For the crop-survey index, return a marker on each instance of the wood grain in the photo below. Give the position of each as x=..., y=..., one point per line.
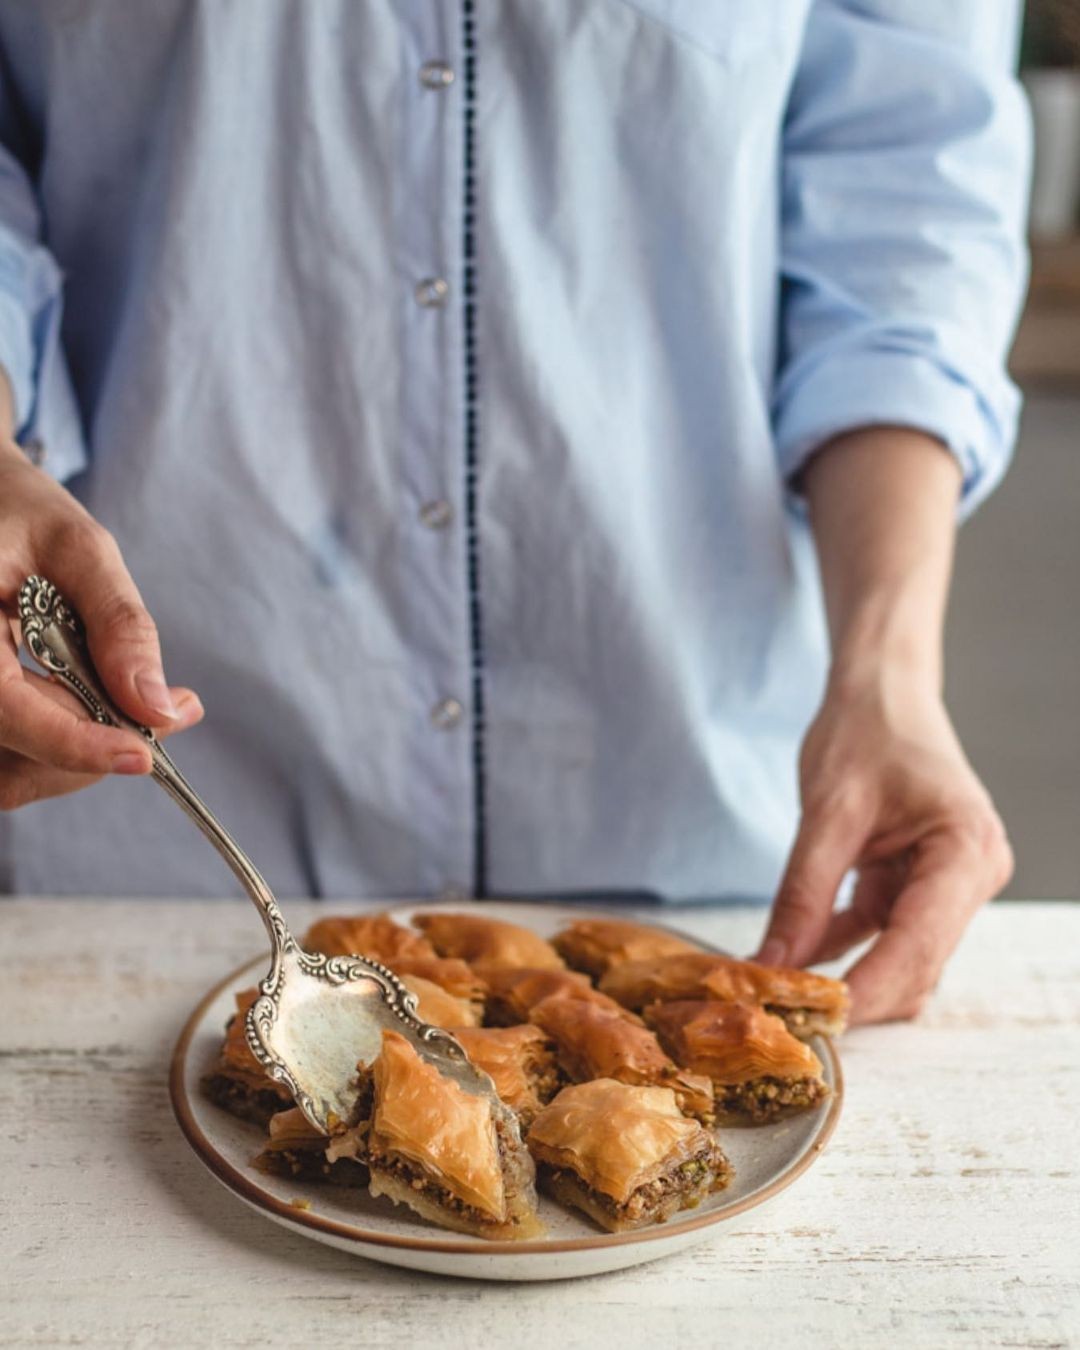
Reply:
x=946, y=1211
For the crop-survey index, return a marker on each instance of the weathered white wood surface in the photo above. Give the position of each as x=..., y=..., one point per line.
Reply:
x=946, y=1211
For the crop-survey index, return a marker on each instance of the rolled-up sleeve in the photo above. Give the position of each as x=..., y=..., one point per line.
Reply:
x=31, y=299
x=905, y=175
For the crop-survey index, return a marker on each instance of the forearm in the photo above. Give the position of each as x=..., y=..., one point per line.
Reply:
x=882, y=505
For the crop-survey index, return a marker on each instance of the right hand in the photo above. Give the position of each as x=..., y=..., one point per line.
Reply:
x=48, y=745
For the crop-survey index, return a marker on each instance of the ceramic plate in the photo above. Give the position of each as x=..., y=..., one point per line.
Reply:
x=767, y=1160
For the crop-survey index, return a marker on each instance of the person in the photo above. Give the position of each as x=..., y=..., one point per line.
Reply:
x=522, y=421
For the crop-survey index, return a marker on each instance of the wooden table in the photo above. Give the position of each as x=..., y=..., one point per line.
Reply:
x=945, y=1212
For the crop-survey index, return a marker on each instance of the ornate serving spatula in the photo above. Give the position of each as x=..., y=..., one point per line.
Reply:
x=315, y=1016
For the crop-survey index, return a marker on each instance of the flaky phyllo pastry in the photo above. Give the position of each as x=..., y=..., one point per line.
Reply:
x=238, y=1082
x=624, y=1155
x=435, y=1005
x=402, y=950
x=595, y=945
x=512, y=994
x=376, y=936
x=624, y=1143
x=520, y=1062
x=759, y=1070
x=487, y=944
x=594, y=1043
x=453, y=1158
x=295, y=1148
x=809, y=1004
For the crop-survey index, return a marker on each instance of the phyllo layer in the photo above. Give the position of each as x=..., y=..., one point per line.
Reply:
x=592, y=1042
x=595, y=945
x=625, y=1155
x=759, y=1070
x=512, y=994
x=238, y=1082
x=435, y=1005
x=451, y=1157
x=810, y=1004
x=376, y=936
x=487, y=944
x=521, y=1063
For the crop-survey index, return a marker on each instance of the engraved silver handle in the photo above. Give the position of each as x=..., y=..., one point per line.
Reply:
x=55, y=638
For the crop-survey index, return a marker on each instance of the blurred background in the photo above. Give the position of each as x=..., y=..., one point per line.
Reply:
x=1013, y=645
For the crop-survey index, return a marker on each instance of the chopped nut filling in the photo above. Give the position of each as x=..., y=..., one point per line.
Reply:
x=766, y=1098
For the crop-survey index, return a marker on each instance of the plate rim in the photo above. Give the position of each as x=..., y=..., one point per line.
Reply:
x=247, y=1189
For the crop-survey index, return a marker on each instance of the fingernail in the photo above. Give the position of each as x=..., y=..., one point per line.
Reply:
x=773, y=952
x=129, y=762
x=190, y=708
x=154, y=692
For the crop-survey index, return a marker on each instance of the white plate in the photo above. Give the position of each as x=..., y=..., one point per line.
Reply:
x=766, y=1159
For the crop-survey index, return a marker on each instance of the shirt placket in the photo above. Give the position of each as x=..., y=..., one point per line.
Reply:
x=432, y=459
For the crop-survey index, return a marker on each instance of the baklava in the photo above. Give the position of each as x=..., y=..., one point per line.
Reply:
x=592, y=1042
x=521, y=1063
x=376, y=936
x=435, y=1005
x=238, y=1082
x=295, y=1148
x=625, y=1156
x=402, y=950
x=595, y=945
x=487, y=944
x=810, y=1004
x=452, y=1158
x=512, y=994
x=758, y=1069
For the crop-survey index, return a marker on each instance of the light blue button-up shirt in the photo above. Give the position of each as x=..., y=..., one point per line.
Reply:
x=441, y=368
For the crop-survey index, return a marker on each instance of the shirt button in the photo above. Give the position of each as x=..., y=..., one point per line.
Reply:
x=432, y=292
x=436, y=515
x=446, y=715
x=436, y=75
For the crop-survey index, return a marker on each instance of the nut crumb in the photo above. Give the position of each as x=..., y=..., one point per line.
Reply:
x=297, y=1203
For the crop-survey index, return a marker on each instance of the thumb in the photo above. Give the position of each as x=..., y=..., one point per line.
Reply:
x=827, y=845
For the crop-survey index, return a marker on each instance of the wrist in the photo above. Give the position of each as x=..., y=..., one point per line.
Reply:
x=888, y=642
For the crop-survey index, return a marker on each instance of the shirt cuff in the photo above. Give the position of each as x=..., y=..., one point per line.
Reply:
x=17, y=358
x=898, y=388
x=46, y=417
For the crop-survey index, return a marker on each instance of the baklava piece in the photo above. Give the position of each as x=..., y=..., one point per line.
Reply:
x=448, y=972
x=624, y=1155
x=592, y=1042
x=402, y=950
x=512, y=994
x=238, y=1082
x=297, y=1150
x=435, y=1005
x=487, y=944
x=810, y=1004
x=454, y=1159
x=521, y=1063
x=759, y=1070
x=595, y=945
x=376, y=936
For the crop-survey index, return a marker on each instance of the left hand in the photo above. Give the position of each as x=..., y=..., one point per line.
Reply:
x=886, y=790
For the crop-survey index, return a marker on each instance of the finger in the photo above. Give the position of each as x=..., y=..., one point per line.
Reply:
x=86, y=565
x=875, y=893
x=25, y=780
x=827, y=845
x=188, y=704
x=35, y=725
x=949, y=881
